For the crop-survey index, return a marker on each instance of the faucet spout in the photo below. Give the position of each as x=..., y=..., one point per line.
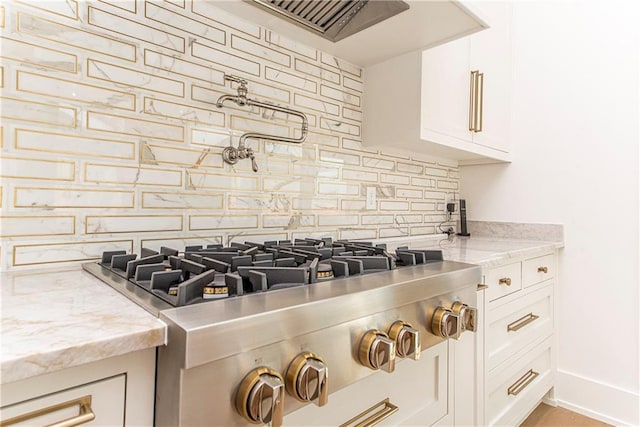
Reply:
x=225, y=98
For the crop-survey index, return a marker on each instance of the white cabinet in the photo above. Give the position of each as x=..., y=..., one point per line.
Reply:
x=517, y=366
x=428, y=101
x=111, y=392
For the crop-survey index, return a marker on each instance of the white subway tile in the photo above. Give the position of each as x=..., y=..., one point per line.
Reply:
x=38, y=112
x=50, y=170
x=353, y=84
x=36, y=254
x=314, y=235
x=72, y=198
x=180, y=244
x=132, y=223
x=377, y=219
x=332, y=188
x=312, y=170
x=314, y=203
x=190, y=69
x=358, y=234
x=423, y=182
x=48, y=142
x=340, y=64
x=394, y=232
x=297, y=151
x=340, y=126
x=386, y=205
x=321, y=73
x=154, y=154
x=339, y=157
x=410, y=168
x=408, y=219
x=67, y=9
x=289, y=222
x=434, y=195
x=435, y=218
x=359, y=175
x=450, y=185
x=134, y=78
x=422, y=206
x=319, y=138
x=260, y=126
x=128, y=5
x=135, y=175
x=224, y=59
x=353, y=205
x=291, y=45
x=216, y=138
x=198, y=180
x=281, y=77
x=181, y=200
x=36, y=225
x=353, y=144
x=193, y=27
x=394, y=179
x=408, y=193
x=436, y=172
x=339, y=95
x=253, y=236
x=351, y=114
x=257, y=50
x=288, y=185
x=377, y=163
x=420, y=231
x=73, y=36
x=273, y=202
x=215, y=14
x=215, y=222
x=74, y=91
x=159, y=107
x=315, y=104
x=335, y=220
x=133, y=126
x=27, y=53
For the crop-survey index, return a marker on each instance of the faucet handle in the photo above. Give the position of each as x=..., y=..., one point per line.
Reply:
x=236, y=79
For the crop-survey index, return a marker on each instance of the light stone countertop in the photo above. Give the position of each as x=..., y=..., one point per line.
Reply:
x=60, y=319
x=64, y=318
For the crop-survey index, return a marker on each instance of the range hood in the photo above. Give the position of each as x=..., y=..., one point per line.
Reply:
x=362, y=33
x=334, y=19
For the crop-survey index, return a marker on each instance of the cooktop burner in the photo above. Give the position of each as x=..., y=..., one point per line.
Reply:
x=213, y=272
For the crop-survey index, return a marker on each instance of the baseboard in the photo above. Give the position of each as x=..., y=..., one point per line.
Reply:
x=597, y=400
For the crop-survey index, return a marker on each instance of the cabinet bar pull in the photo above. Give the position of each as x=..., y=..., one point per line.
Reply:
x=480, y=102
x=544, y=270
x=473, y=92
x=521, y=322
x=522, y=382
x=85, y=414
x=387, y=409
x=505, y=281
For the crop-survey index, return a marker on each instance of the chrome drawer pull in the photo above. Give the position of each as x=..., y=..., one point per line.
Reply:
x=505, y=281
x=85, y=415
x=522, y=382
x=522, y=322
x=388, y=408
x=544, y=270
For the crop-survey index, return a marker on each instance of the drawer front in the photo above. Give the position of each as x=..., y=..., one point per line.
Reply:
x=419, y=389
x=503, y=281
x=513, y=325
x=536, y=270
x=514, y=391
x=105, y=399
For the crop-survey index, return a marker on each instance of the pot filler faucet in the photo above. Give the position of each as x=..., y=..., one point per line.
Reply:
x=232, y=154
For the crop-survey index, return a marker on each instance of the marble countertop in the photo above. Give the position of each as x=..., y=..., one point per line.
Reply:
x=56, y=320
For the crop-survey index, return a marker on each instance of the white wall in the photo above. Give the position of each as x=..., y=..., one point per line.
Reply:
x=575, y=149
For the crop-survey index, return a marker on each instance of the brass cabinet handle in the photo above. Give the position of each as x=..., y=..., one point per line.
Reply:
x=480, y=102
x=522, y=382
x=543, y=270
x=522, y=322
x=473, y=94
x=363, y=419
x=85, y=414
x=505, y=281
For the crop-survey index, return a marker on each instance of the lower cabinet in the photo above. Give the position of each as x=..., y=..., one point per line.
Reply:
x=113, y=392
x=516, y=368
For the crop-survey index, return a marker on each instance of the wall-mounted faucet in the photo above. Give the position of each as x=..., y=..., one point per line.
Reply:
x=232, y=154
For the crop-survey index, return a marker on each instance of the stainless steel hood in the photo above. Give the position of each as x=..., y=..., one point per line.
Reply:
x=334, y=19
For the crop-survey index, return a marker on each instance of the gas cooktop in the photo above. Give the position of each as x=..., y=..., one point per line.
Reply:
x=173, y=278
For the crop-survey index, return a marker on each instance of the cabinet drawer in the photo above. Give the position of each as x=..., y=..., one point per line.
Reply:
x=515, y=390
x=536, y=270
x=503, y=281
x=512, y=326
x=419, y=388
x=105, y=399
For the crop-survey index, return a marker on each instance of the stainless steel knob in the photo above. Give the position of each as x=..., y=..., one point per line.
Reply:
x=307, y=379
x=377, y=351
x=468, y=316
x=445, y=323
x=407, y=339
x=260, y=397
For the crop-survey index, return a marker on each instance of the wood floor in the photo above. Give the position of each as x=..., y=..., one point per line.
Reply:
x=548, y=416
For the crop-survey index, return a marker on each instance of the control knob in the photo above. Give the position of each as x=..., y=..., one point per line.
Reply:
x=307, y=378
x=260, y=397
x=407, y=339
x=468, y=316
x=445, y=323
x=377, y=351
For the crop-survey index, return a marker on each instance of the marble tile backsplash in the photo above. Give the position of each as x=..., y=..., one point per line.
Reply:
x=110, y=137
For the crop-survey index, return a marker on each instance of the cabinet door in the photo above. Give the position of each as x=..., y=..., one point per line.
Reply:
x=445, y=93
x=491, y=55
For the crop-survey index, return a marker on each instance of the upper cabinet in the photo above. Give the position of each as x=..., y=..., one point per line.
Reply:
x=449, y=101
